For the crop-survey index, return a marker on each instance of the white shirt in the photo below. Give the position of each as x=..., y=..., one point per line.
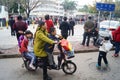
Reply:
x=106, y=46
x=30, y=45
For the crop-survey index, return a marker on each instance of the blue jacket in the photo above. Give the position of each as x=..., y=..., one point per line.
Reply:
x=48, y=47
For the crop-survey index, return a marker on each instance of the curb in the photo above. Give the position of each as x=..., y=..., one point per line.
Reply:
x=4, y=56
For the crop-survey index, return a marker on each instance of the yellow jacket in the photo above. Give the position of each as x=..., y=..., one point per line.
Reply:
x=39, y=42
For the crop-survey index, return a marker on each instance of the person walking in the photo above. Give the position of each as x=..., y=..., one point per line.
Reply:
x=88, y=27
x=20, y=27
x=64, y=27
x=48, y=22
x=11, y=22
x=116, y=40
x=40, y=39
x=95, y=32
x=72, y=24
x=105, y=47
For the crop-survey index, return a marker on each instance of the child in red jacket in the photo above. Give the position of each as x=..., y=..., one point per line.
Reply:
x=27, y=48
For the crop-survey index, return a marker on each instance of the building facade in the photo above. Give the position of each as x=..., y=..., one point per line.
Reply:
x=51, y=7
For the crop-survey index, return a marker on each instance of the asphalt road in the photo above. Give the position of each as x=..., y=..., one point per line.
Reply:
x=11, y=69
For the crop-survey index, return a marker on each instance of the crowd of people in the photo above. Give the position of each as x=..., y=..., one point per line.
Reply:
x=41, y=44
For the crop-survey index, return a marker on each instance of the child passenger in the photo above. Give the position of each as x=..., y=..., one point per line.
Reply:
x=26, y=47
x=49, y=48
x=103, y=50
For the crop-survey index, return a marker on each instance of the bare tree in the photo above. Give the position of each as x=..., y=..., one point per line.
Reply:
x=29, y=5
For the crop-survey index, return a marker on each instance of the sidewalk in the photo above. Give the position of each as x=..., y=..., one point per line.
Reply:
x=8, y=45
x=13, y=52
x=6, y=40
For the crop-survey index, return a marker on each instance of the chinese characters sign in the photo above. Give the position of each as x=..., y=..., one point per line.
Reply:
x=105, y=7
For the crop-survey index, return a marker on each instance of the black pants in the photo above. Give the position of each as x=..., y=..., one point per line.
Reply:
x=45, y=62
x=95, y=37
x=61, y=56
x=87, y=36
x=94, y=40
x=64, y=36
x=12, y=31
x=102, y=55
x=71, y=31
x=18, y=35
x=44, y=66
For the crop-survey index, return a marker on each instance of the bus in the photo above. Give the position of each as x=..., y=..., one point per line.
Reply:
x=3, y=15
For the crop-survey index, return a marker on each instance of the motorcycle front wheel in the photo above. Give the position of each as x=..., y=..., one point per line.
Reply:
x=69, y=67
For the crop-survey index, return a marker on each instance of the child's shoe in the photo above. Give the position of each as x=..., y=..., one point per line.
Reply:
x=98, y=66
x=32, y=67
x=107, y=65
x=58, y=67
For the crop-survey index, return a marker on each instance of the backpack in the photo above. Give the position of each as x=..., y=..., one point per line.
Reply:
x=98, y=43
x=21, y=38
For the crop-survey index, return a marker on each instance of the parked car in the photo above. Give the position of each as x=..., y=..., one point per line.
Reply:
x=107, y=26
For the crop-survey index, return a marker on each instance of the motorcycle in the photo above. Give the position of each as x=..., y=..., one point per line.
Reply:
x=66, y=65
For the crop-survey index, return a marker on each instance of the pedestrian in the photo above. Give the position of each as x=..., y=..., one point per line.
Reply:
x=95, y=32
x=48, y=22
x=49, y=48
x=64, y=27
x=116, y=40
x=20, y=27
x=88, y=27
x=26, y=48
x=11, y=22
x=60, y=20
x=55, y=20
x=40, y=39
x=104, y=48
x=72, y=24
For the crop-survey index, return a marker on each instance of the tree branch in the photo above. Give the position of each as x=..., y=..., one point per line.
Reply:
x=34, y=4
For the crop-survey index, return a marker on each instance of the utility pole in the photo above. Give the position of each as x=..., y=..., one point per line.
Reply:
x=19, y=8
